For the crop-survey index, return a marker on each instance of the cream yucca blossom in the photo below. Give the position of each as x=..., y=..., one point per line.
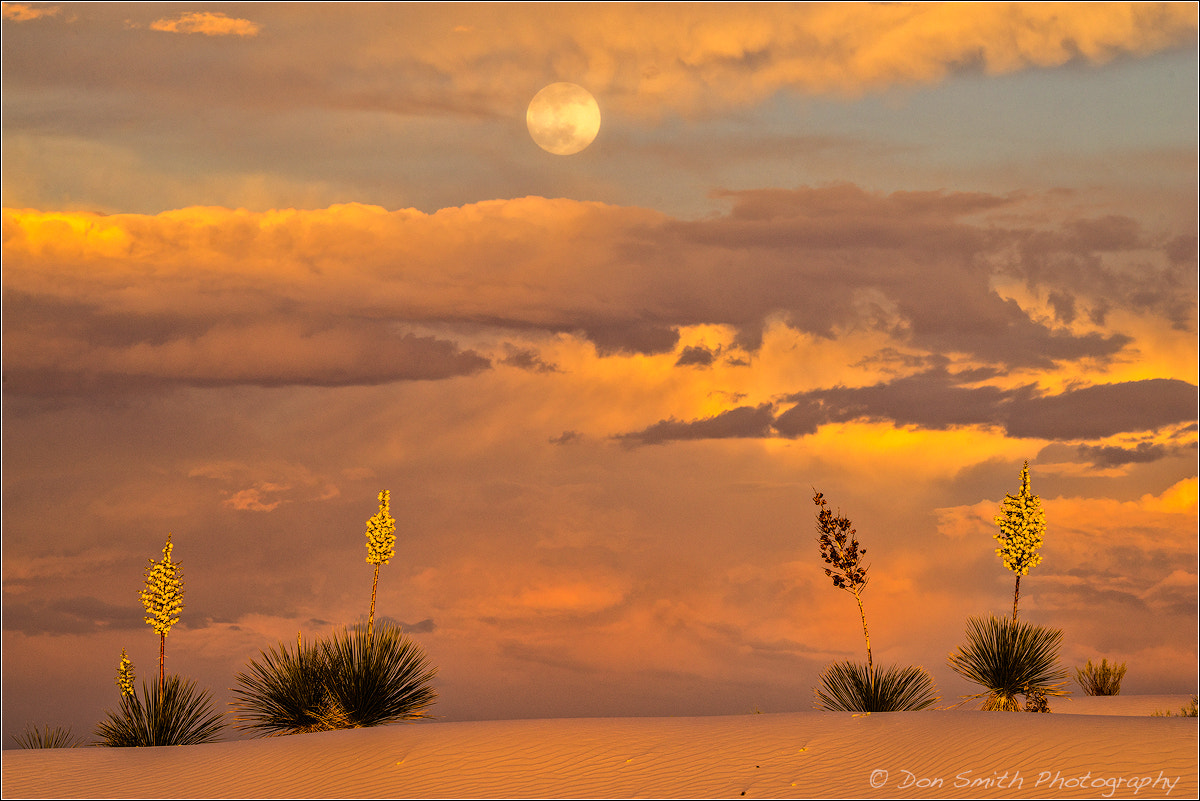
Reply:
x=381, y=533
x=381, y=546
x=163, y=596
x=125, y=675
x=163, y=599
x=1022, y=525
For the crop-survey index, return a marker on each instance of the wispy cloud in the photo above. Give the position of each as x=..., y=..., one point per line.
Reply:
x=936, y=400
x=679, y=60
x=208, y=23
x=254, y=499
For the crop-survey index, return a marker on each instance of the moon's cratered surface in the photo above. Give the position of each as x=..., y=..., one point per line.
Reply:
x=563, y=118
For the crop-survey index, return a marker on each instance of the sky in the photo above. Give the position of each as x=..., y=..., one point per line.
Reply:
x=263, y=261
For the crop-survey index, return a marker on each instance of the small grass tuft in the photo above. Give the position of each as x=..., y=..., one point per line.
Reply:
x=1191, y=710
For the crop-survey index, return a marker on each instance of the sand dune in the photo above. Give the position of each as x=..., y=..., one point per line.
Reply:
x=1088, y=747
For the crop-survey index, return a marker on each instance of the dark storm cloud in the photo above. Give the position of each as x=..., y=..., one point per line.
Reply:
x=420, y=627
x=527, y=359
x=1109, y=260
x=695, y=355
x=1064, y=306
x=73, y=347
x=934, y=400
x=621, y=336
x=919, y=263
x=741, y=422
x=77, y=615
x=1181, y=250
x=1113, y=456
x=1103, y=410
x=997, y=330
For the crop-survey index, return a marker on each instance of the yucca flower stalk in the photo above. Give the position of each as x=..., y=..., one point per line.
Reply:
x=839, y=549
x=125, y=675
x=1022, y=525
x=381, y=546
x=163, y=599
x=849, y=686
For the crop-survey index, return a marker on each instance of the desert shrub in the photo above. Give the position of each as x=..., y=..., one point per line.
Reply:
x=855, y=687
x=1190, y=711
x=285, y=693
x=1101, y=679
x=50, y=737
x=179, y=714
x=358, y=677
x=1035, y=700
x=1009, y=658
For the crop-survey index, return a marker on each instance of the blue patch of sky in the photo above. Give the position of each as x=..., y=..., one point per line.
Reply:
x=1133, y=104
x=1036, y=128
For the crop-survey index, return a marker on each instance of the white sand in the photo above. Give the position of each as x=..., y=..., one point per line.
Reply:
x=1087, y=748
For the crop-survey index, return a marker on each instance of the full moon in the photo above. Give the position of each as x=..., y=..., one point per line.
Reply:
x=563, y=118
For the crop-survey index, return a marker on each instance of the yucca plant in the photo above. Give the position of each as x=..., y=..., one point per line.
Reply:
x=378, y=677
x=178, y=714
x=359, y=677
x=854, y=687
x=848, y=686
x=1009, y=658
x=286, y=693
x=50, y=737
x=1101, y=679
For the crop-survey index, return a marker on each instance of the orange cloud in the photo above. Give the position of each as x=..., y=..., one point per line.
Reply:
x=718, y=316
x=23, y=12
x=252, y=499
x=208, y=23
x=685, y=59
x=700, y=57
